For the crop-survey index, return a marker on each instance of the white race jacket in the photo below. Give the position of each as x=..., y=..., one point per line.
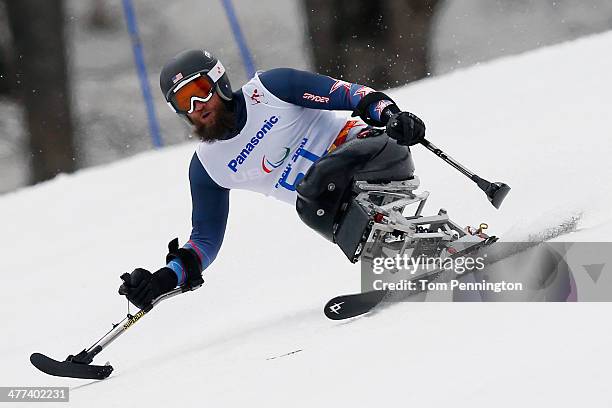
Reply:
x=278, y=144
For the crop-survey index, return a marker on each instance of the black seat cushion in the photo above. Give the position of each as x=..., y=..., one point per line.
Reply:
x=327, y=184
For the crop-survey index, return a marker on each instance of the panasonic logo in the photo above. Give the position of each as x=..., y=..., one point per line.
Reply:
x=249, y=147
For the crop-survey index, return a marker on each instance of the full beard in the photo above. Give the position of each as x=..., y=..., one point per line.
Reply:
x=223, y=123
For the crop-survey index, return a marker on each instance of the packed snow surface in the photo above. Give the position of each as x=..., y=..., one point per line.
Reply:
x=255, y=334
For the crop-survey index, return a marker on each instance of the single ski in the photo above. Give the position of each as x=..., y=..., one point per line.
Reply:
x=356, y=304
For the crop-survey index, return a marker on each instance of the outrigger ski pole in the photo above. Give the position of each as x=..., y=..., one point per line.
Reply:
x=496, y=192
x=78, y=366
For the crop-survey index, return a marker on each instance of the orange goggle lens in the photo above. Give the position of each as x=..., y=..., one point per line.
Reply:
x=199, y=87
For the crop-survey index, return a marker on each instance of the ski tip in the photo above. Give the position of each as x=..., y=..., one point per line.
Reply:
x=347, y=306
x=36, y=358
x=43, y=363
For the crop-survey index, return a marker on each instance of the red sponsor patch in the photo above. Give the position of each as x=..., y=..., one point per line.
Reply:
x=256, y=97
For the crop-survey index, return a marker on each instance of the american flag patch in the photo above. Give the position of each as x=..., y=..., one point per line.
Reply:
x=177, y=78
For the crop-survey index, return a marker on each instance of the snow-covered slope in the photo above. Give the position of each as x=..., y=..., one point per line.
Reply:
x=539, y=122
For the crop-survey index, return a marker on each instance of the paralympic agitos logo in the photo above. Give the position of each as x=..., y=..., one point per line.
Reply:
x=268, y=164
x=250, y=146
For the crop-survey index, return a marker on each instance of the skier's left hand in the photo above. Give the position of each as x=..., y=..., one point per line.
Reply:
x=407, y=128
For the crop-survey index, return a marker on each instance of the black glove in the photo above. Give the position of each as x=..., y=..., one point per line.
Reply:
x=406, y=128
x=142, y=286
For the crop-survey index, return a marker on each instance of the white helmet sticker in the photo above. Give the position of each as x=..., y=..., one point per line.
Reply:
x=216, y=72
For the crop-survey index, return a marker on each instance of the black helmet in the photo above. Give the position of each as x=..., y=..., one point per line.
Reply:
x=189, y=63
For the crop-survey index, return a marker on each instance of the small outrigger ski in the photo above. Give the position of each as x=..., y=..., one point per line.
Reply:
x=79, y=365
x=74, y=366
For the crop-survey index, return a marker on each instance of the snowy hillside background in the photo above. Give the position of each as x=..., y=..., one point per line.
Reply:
x=107, y=100
x=539, y=122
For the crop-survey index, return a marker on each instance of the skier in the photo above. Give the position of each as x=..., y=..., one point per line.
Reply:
x=264, y=137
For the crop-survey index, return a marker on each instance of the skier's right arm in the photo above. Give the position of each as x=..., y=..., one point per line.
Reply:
x=210, y=207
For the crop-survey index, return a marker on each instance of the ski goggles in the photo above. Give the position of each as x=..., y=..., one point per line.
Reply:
x=196, y=88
